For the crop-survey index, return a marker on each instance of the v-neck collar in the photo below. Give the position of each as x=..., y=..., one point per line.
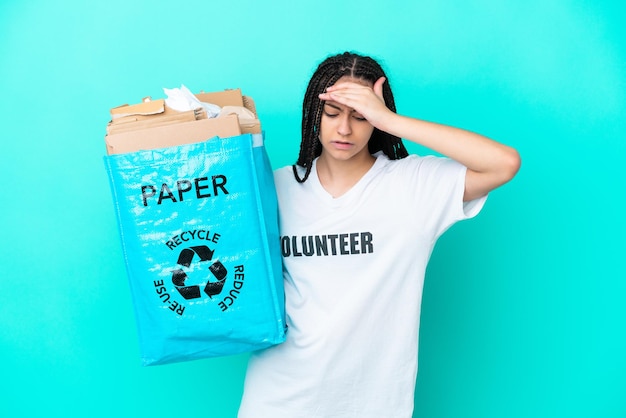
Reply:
x=351, y=193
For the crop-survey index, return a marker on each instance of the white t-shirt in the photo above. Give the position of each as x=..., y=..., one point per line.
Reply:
x=354, y=272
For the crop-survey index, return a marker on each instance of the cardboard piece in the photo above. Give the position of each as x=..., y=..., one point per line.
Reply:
x=133, y=123
x=152, y=124
x=147, y=107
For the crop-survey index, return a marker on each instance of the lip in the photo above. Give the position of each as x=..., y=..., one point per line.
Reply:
x=342, y=145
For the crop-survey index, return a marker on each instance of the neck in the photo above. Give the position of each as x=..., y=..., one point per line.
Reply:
x=337, y=176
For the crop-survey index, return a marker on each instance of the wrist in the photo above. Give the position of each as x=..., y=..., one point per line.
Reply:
x=386, y=121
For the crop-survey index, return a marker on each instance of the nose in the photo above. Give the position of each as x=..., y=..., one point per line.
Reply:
x=344, y=128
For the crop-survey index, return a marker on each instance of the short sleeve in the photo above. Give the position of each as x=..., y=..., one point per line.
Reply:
x=436, y=187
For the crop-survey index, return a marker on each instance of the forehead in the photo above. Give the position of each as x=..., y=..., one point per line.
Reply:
x=347, y=78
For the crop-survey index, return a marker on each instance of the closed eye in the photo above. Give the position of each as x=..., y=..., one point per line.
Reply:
x=333, y=111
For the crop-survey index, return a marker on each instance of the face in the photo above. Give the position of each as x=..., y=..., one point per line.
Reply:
x=344, y=133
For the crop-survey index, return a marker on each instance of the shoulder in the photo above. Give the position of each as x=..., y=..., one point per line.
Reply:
x=285, y=179
x=284, y=173
x=418, y=163
x=423, y=173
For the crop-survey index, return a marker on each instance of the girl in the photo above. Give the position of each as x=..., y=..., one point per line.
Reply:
x=359, y=219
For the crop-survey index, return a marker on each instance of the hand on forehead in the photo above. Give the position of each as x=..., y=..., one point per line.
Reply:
x=347, y=80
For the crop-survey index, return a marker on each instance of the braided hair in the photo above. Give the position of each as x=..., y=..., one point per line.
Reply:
x=327, y=73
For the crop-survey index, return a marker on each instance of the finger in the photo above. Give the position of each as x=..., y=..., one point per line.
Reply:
x=346, y=85
x=332, y=96
x=378, y=87
x=339, y=94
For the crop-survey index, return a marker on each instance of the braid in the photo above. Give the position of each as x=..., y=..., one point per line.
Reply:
x=327, y=74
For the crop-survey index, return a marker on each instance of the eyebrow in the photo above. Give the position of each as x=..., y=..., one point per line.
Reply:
x=338, y=108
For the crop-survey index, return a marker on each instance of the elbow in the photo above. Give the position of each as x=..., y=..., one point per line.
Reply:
x=511, y=162
x=504, y=167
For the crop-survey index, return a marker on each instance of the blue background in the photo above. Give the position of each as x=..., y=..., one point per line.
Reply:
x=523, y=312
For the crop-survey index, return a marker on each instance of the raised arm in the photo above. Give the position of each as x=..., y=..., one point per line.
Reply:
x=489, y=164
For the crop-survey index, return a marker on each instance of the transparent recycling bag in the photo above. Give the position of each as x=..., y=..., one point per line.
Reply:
x=199, y=232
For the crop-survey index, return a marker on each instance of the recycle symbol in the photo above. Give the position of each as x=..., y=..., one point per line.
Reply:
x=217, y=269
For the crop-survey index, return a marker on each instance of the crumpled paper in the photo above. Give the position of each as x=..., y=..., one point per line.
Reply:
x=182, y=99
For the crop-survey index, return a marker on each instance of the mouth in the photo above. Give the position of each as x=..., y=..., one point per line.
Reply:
x=341, y=144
